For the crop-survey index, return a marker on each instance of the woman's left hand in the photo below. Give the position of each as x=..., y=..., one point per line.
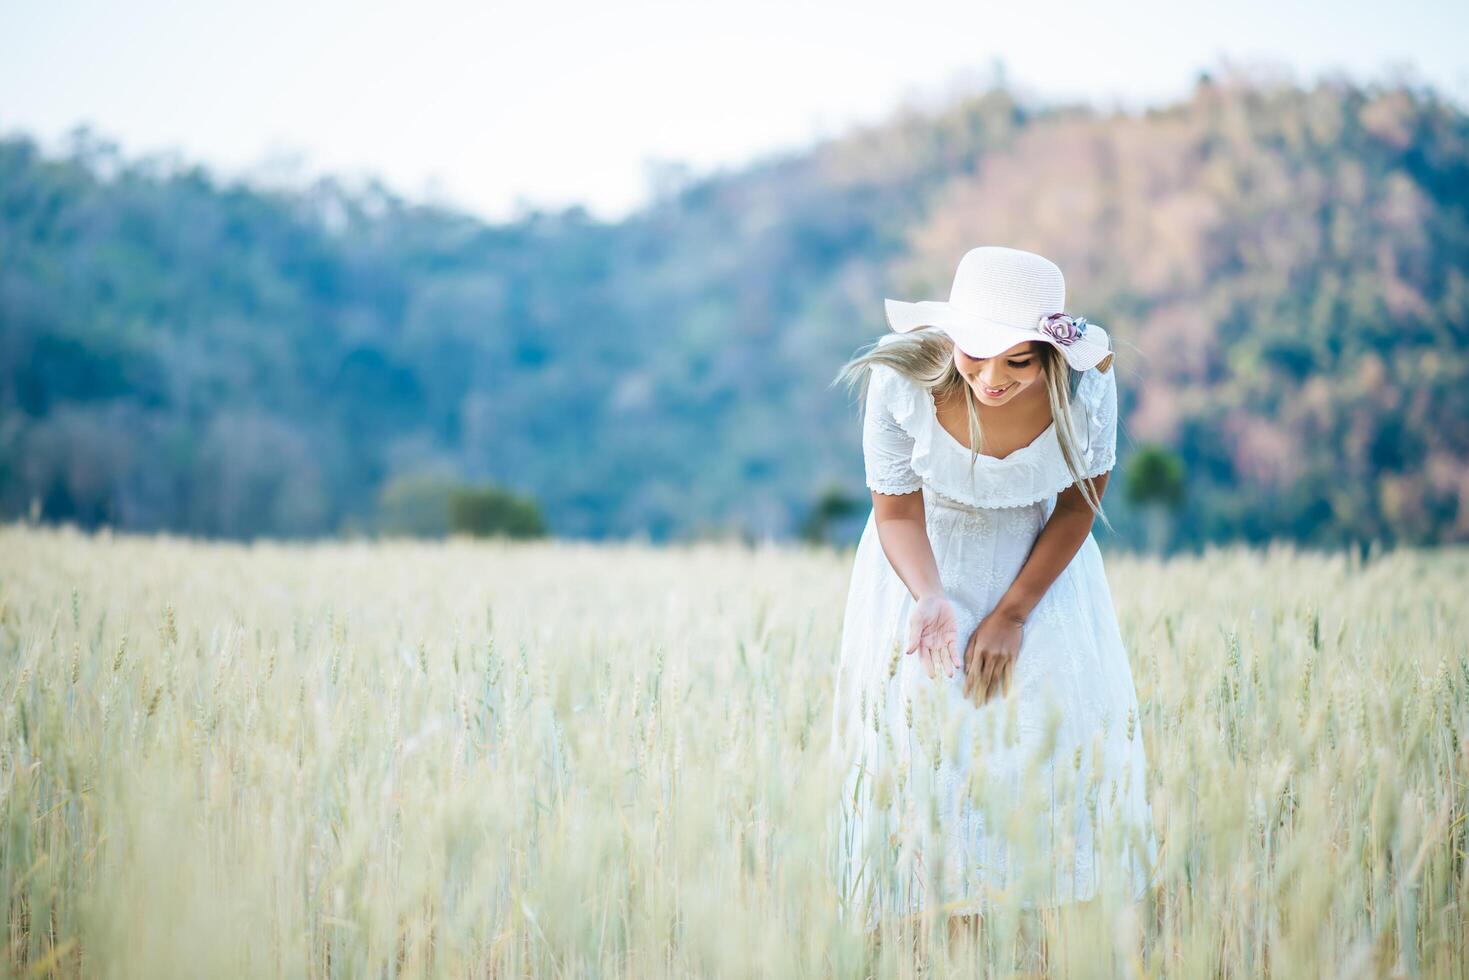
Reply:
x=990, y=655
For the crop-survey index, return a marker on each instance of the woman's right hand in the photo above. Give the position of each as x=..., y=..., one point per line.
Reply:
x=933, y=631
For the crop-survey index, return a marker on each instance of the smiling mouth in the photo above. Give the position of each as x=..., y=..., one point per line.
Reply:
x=996, y=392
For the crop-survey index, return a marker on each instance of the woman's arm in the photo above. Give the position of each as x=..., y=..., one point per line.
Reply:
x=902, y=530
x=1055, y=546
x=932, y=625
x=897, y=512
x=992, y=650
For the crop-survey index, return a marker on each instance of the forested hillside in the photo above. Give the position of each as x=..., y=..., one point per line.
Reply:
x=1283, y=271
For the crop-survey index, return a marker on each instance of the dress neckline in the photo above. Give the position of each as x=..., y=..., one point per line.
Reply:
x=948, y=437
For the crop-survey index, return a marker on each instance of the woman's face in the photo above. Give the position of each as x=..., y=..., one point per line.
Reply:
x=997, y=380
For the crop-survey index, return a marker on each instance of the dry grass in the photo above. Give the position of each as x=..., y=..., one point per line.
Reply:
x=485, y=759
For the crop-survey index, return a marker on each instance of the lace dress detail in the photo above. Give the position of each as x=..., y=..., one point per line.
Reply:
x=1038, y=798
x=904, y=447
x=887, y=449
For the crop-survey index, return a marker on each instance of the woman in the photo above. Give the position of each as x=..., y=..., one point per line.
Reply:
x=985, y=712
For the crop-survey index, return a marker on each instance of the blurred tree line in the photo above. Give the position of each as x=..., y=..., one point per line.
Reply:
x=1283, y=270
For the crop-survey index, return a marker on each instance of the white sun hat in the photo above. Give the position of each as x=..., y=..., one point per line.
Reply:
x=1002, y=297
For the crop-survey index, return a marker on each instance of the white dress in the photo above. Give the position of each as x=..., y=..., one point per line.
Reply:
x=1038, y=798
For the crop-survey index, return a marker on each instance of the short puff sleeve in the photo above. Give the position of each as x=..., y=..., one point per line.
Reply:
x=1101, y=409
x=887, y=449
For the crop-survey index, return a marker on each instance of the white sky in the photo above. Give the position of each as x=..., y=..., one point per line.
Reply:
x=487, y=105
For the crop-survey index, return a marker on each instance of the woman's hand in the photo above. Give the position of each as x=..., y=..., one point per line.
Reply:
x=933, y=632
x=989, y=656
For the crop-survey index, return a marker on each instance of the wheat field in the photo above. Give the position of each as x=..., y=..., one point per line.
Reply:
x=495, y=759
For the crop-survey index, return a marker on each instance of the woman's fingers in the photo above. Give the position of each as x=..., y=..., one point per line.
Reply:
x=938, y=654
x=988, y=677
x=985, y=675
x=976, y=672
x=997, y=679
x=976, y=691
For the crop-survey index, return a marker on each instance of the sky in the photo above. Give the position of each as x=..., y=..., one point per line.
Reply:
x=499, y=107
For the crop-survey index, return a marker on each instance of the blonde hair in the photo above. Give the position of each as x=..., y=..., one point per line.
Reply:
x=926, y=357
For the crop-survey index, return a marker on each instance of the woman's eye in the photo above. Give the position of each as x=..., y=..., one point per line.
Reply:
x=1019, y=364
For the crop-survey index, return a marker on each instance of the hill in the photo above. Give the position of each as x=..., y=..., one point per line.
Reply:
x=1282, y=269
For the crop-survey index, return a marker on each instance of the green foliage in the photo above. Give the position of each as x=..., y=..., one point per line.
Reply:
x=1282, y=270
x=433, y=506
x=1154, y=476
x=833, y=504
x=492, y=511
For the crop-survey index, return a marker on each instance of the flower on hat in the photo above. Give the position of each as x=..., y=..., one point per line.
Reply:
x=1063, y=328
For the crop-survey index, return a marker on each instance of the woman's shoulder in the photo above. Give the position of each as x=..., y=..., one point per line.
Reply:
x=891, y=383
x=1094, y=414
x=1097, y=390
x=895, y=394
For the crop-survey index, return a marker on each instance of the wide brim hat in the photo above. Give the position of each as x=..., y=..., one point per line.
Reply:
x=1002, y=297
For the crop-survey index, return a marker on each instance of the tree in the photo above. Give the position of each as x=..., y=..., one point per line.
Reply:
x=832, y=505
x=1155, y=485
x=433, y=505
x=486, y=511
